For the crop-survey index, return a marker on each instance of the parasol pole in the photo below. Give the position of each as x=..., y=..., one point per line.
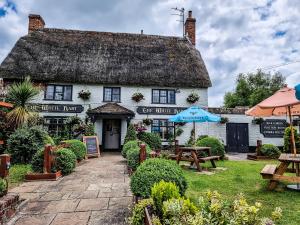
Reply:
x=292, y=133
x=194, y=127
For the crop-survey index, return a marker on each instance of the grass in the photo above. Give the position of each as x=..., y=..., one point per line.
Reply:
x=244, y=177
x=17, y=174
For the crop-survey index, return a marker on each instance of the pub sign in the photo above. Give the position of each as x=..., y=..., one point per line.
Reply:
x=159, y=110
x=272, y=128
x=56, y=108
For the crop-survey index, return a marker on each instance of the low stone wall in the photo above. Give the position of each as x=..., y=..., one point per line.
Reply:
x=8, y=206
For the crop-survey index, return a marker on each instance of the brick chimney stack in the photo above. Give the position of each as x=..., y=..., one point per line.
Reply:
x=190, y=28
x=36, y=22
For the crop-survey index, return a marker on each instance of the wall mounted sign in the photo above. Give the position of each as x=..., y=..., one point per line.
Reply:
x=272, y=128
x=56, y=108
x=92, y=145
x=159, y=110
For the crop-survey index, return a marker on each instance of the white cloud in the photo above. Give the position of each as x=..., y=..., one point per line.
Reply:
x=233, y=36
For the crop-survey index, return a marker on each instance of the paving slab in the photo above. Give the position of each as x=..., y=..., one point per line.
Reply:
x=97, y=192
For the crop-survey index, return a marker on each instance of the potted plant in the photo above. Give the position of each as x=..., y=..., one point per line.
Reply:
x=84, y=94
x=224, y=120
x=257, y=121
x=192, y=98
x=137, y=97
x=147, y=121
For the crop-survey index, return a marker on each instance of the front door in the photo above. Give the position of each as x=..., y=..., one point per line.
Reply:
x=237, y=137
x=111, y=134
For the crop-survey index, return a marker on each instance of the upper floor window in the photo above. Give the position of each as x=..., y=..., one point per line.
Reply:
x=163, y=96
x=58, y=92
x=112, y=94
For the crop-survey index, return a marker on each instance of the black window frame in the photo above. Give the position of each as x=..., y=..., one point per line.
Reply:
x=167, y=96
x=167, y=126
x=54, y=92
x=111, y=97
x=63, y=124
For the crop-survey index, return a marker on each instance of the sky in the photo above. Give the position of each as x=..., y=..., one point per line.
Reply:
x=233, y=36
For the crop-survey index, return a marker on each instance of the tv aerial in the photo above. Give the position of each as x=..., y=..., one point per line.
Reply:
x=180, y=13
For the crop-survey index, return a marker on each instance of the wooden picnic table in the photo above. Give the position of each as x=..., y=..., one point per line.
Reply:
x=194, y=156
x=275, y=174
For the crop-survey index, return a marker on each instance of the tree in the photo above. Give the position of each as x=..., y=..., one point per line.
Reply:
x=253, y=88
x=20, y=94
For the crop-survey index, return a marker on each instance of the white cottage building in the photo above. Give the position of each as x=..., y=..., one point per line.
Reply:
x=115, y=66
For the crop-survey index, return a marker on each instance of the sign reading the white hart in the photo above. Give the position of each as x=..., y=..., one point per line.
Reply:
x=159, y=110
x=64, y=108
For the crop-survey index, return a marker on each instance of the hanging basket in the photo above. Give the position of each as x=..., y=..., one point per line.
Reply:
x=192, y=98
x=85, y=95
x=137, y=97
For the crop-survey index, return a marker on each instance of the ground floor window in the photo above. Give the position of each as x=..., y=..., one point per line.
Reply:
x=55, y=125
x=163, y=127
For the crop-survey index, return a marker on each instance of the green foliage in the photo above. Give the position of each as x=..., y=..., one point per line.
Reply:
x=20, y=94
x=138, y=212
x=129, y=145
x=25, y=142
x=17, y=174
x=287, y=140
x=89, y=129
x=252, y=88
x=161, y=192
x=152, y=139
x=65, y=161
x=3, y=186
x=217, y=148
x=77, y=147
x=131, y=134
x=270, y=150
x=133, y=156
x=37, y=162
x=153, y=171
x=48, y=140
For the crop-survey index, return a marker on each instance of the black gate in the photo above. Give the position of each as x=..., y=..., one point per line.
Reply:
x=237, y=137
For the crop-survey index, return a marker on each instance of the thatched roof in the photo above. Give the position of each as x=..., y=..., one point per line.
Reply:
x=111, y=109
x=56, y=55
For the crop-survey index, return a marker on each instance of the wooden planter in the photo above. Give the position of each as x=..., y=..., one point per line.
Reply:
x=147, y=220
x=43, y=176
x=254, y=156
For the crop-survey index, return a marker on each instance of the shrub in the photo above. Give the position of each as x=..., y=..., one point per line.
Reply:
x=131, y=134
x=77, y=147
x=270, y=150
x=37, y=162
x=152, y=139
x=161, y=192
x=3, y=187
x=65, y=160
x=129, y=145
x=138, y=212
x=287, y=140
x=48, y=140
x=153, y=171
x=217, y=148
x=133, y=156
x=25, y=142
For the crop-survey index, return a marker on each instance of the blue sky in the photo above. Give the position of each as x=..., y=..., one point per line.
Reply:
x=233, y=36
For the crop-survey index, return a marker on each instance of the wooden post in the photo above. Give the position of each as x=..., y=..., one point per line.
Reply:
x=142, y=153
x=292, y=133
x=258, y=147
x=176, y=147
x=47, y=158
x=4, y=165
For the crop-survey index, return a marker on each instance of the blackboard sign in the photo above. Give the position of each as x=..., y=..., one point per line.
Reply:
x=273, y=128
x=92, y=145
x=159, y=110
x=57, y=108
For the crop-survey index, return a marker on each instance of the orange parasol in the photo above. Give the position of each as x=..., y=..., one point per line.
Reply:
x=283, y=102
x=6, y=104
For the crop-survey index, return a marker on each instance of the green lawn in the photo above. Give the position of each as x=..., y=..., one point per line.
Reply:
x=244, y=177
x=17, y=174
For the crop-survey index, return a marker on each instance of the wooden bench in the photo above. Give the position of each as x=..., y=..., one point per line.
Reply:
x=211, y=159
x=268, y=171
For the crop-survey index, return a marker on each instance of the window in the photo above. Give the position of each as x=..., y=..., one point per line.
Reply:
x=163, y=127
x=112, y=94
x=161, y=96
x=58, y=92
x=55, y=125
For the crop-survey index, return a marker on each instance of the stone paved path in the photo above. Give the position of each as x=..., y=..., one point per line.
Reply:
x=96, y=193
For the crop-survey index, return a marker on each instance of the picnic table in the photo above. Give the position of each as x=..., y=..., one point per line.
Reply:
x=194, y=156
x=275, y=174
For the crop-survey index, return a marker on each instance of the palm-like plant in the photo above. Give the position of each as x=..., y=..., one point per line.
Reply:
x=20, y=94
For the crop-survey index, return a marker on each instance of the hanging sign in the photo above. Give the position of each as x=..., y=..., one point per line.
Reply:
x=297, y=88
x=159, y=110
x=92, y=145
x=272, y=128
x=56, y=108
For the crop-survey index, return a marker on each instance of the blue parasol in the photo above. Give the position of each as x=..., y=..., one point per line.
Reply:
x=195, y=114
x=297, y=88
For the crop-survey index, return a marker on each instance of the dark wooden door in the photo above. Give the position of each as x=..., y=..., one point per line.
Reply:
x=237, y=137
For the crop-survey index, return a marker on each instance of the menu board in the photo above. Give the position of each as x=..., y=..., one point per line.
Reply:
x=273, y=128
x=92, y=145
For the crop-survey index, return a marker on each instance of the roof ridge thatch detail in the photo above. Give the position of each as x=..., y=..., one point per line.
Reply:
x=90, y=57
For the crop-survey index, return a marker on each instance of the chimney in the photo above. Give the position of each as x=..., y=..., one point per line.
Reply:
x=190, y=28
x=36, y=22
